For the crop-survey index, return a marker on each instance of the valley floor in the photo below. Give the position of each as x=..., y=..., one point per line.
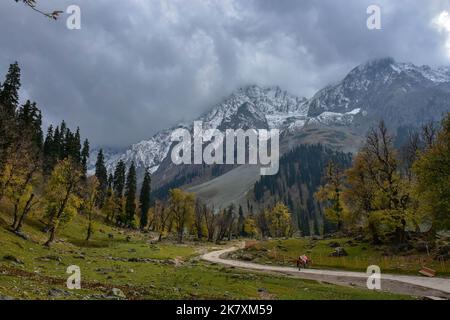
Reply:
x=119, y=264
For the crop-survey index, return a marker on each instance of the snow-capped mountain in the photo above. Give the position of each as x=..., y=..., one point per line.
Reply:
x=401, y=93
x=373, y=83
x=249, y=107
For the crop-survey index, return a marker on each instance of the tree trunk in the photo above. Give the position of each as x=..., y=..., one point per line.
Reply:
x=16, y=214
x=52, y=237
x=89, y=231
x=25, y=212
x=58, y=216
x=375, y=237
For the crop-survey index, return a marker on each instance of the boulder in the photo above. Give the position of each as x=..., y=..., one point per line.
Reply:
x=422, y=246
x=118, y=293
x=339, y=252
x=58, y=293
x=334, y=244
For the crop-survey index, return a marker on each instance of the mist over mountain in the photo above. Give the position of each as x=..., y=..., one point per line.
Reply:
x=400, y=93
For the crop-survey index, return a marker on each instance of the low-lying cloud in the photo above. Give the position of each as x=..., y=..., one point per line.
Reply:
x=139, y=66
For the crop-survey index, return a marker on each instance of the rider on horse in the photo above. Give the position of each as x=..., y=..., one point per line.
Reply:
x=303, y=262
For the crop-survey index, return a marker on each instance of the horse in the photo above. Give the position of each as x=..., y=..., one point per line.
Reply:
x=303, y=262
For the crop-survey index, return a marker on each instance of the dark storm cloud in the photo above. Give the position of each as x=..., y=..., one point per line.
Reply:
x=142, y=65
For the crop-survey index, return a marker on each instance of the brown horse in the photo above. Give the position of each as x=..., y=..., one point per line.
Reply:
x=303, y=262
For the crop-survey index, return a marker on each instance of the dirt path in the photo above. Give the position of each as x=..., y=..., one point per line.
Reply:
x=402, y=284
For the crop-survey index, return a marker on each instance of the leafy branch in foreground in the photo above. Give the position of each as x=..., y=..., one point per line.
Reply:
x=32, y=4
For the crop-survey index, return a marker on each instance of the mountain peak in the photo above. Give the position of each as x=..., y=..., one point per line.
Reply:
x=380, y=88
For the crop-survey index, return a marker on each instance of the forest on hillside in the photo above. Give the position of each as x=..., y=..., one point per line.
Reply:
x=385, y=192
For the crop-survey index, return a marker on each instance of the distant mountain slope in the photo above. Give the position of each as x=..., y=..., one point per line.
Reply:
x=338, y=116
x=300, y=175
x=400, y=93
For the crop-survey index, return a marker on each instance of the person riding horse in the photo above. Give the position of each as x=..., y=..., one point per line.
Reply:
x=303, y=262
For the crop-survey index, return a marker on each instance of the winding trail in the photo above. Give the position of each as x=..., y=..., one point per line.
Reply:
x=402, y=284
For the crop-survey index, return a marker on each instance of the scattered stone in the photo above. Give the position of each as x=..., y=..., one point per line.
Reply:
x=132, y=250
x=359, y=237
x=402, y=247
x=443, y=249
x=118, y=293
x=442, y=252
x=422, y=246
x=246, y=257
x=339, y=252
x=334, y=244
x=6, y=298
x=51, y=258
x=13, y=259
x=58, y=293
x=262, y=290
x=104, y=270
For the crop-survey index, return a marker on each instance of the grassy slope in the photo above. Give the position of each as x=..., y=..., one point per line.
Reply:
x=189, y=279
x=360, y=256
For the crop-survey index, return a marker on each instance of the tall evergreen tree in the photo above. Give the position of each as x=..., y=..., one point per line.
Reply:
x=110, y=182
x=130, y=195
x=84, y=158
x=76, y=146
x=119, y=179
x=29, y=121
x=9, y=91
x=49, y=152
x=57, y=144
x=241, y=221
x=9, y=100
x=144, y=199
x=102, y=176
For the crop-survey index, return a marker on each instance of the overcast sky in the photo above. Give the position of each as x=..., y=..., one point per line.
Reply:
x=138, y=66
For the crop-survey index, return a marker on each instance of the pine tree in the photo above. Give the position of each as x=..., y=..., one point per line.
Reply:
x=130, y=195
x=76, y=146
x=102, y=177
x=144, y=199
x=29, y=121
x=119, y=179
x=9, y=99
x=110, y=182
x=49, y=152
x=241, y=222
x=57, y=144
x=84, y=158
x=9, y=91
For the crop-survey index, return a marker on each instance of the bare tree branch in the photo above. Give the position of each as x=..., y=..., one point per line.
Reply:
x=32, y=4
